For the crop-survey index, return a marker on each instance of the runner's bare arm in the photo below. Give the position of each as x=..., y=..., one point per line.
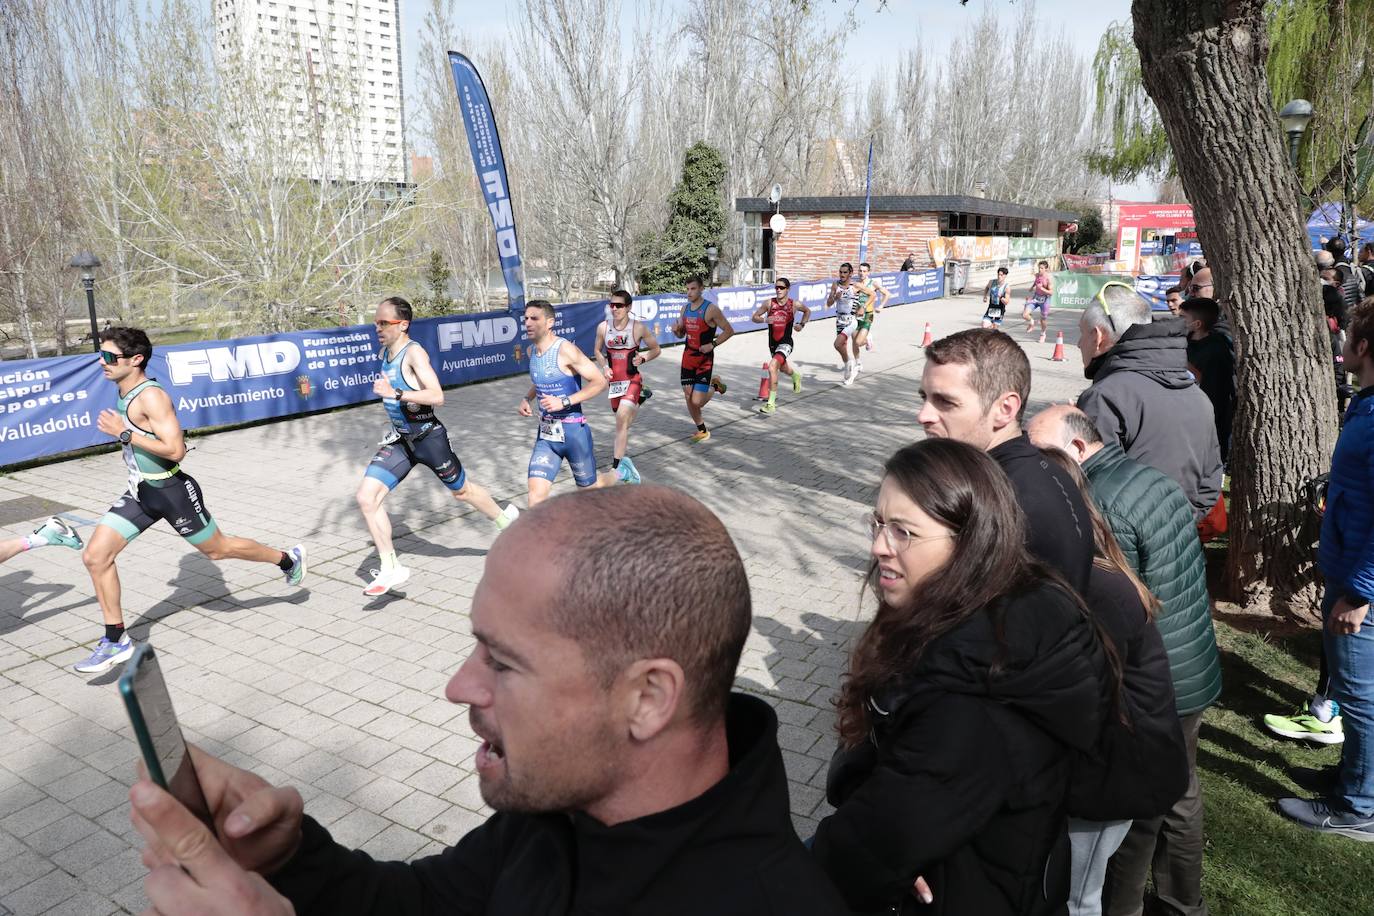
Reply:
x=834, y=295
x=883, y=296
x=571, y=359
x=430, y=392
x=806, y=315
x=716, y=319
x=598, y=348
x=152, y=410
x=758, y=313
x=643, y=336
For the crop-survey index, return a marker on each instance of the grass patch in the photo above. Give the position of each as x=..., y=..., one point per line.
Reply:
x=1256, y=862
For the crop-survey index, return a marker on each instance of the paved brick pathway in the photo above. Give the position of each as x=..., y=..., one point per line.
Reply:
x=342, y=696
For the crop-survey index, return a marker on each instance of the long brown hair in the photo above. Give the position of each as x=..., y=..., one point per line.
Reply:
x=1105, y=546
x=964, y=490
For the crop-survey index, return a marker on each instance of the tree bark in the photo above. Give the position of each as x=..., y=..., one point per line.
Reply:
x=1203, y=64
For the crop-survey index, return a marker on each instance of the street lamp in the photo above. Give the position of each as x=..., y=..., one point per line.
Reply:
x=712, y=254
x=87, y=263
x=1294, y=118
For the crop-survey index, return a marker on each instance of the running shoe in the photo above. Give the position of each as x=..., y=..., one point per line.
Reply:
x=385, y=581
x=796, y=382
x=701, y=435
x=58, y=533
x=1320, y=815
x=508, y=515
x=1304, y=726
x=717, y=384
x=106, y=655
x=1042, y=338
x=644, y=395
x=628, y=472
x=768, y=407
x=296, y=573
x=869, y=345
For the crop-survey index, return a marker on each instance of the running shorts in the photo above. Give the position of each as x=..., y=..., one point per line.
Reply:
x=548, y=454
x=781, y=349
x=865, y=323
x=696, y=370
x=178, y=502
x=843, y=324
x=626, y=389
x=394, y=460
x=1035, y=303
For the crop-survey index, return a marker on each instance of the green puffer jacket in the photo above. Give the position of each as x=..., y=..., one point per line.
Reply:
x=1153, y=521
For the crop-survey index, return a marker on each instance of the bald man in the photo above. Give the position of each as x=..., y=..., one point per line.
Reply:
x=625, y=775
x=1153, y=522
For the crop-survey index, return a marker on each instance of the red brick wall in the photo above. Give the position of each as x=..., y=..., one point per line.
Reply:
x=806, y=249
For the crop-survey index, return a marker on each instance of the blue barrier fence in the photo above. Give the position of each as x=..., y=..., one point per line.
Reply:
x=48, y=406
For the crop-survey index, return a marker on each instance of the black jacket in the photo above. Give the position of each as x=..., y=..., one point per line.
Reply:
x=1215, y=362
x=964, y=780
x=731, y=850
x=1140, y=767
x=1059, y=532
x=1143, y=399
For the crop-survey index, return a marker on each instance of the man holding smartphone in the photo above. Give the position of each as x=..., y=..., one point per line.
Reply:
x=625, y=775
x=145, y=423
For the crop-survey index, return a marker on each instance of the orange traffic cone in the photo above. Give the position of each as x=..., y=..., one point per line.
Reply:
x=765, y=384
x=1058, y=356
x=929, y=338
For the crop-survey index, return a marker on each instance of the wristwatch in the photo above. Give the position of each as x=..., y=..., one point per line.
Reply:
x=567, y=404
x=126, y=437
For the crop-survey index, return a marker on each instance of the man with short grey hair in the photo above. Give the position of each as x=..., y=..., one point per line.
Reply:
x=1153, y=526
x=1142, y=396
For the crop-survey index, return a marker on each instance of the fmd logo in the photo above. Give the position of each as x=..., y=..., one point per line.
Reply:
x=498, y=202
x=736, y=300
x=481, y=333
x=224, y=363
x=644, y=308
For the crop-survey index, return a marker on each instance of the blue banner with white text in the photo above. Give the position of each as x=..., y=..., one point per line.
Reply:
x=490, y=163
x=49, y=406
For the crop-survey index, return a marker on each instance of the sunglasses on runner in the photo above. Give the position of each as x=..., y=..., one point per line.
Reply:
x=109, y=357
x=620, y=305
x=780, y=288
x=387, y=322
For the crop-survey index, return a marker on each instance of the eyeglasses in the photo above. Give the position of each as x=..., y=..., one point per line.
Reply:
x=898, y=538
x=109, y=357
x=1199, y=287
x=387, y=322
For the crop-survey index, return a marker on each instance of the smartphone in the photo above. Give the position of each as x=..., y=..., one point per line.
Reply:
x=158, y=732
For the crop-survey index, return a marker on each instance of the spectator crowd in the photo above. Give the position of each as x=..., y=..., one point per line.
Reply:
x=1017, y=732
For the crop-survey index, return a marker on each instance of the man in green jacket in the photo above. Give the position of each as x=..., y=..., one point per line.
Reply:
x=1153, y=522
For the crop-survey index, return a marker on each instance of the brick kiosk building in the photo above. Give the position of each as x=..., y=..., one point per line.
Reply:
x=823, y=231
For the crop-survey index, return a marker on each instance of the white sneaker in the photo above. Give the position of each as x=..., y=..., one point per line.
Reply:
x=508, y=515
x=385, y=581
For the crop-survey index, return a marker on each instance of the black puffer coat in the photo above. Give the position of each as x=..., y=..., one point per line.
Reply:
x=964, y=780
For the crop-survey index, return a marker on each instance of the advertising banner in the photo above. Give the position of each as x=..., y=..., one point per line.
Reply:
x=1023, y=249
x=1075, y=290
x=490, y=164
x=49, y=406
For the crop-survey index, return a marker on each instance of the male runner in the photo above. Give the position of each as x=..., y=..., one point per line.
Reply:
x=871, y=292
x=842, y=297
x=700, y=322
x=564, y=379
x=781, y=311
x=410, y=391
x=146, y=424
x=52, y=533
x=617, y=354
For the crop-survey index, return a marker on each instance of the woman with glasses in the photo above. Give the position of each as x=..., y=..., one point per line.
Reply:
x=967, y=697
x=782, y=313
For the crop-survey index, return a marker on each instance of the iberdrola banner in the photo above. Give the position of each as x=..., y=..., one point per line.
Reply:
x=490, y=164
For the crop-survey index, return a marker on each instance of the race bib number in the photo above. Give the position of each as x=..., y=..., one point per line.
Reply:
x=618, y=389
x=391, y=436
x=842, y=322
x=550, y=429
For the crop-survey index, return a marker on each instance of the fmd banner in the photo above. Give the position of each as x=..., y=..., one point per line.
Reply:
x=49, y=406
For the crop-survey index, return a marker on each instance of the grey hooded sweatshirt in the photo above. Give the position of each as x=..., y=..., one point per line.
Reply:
x=1143, y=398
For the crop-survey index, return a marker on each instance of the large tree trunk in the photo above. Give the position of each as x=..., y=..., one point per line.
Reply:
x=1203, y=63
